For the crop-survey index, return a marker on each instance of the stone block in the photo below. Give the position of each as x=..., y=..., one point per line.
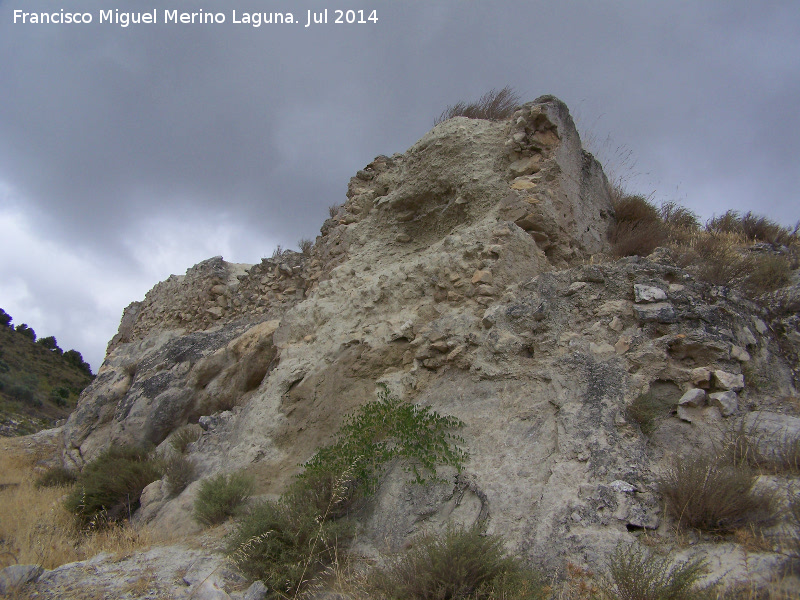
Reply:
x=727, y=402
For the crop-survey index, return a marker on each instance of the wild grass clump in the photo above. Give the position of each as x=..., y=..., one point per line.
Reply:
x=57, y=476
x=185, y=435
x=222, y=496
x=712, y=494
x=109, y=487
x=754, y=228
x=494, y=105
x=638, y=229
x=179, y=472
x=647, y=411
x=289, y=542
x=459, y=564
x=675, y=216
x=766, y=273
x=635, y=574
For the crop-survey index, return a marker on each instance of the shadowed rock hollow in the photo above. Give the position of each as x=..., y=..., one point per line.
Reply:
x=467, y=275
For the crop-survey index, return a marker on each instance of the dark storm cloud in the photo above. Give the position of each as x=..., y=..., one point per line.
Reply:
x=141, y=150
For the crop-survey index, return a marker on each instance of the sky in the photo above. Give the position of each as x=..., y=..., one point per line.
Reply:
x=131, y=153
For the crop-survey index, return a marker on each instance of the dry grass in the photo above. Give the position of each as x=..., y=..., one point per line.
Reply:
x=494, y=105
x=639, y=229
x=35, y=528
x=713, y=494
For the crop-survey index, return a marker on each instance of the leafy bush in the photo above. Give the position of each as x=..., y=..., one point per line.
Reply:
x=647, y=411
x=459, y=564
x=638, y=575
x=185, y=435
x=288, y=542
x=109, y=487
x=494, y=105
x=221, y=496
x=713, y=494
x=56, y=476
x=178, y=473
x=383, y=431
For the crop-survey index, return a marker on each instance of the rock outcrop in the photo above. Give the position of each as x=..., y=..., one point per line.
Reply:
x=468, y=275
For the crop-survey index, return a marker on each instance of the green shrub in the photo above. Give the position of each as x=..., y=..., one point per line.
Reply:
x=647, y=411
x=287, y=543
x=109, y=487
x=712, y=494
x=638, y=575
x=222, y=496
x=178, y=473
x=494, y=105
x=459, y=564
x=383, y=431
x=56, y=476
x=185, y=435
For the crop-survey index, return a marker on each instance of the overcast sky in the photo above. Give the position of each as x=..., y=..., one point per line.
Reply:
x=131, y=153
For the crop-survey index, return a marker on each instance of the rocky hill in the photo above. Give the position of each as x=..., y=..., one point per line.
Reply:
x=470, y=275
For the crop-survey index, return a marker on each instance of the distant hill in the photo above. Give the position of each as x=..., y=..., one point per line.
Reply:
x=39, y=382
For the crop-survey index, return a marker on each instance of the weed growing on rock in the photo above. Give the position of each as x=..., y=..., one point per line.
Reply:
x=646, y=411
x=183, y=436
x=713, y=494
x=638, y=229
x=635, y=574
x=494, y=105
x=221, y=496
x=178, y=473
x=288, y=542
x=458, y=564
x=109, y=487
x=386, y=430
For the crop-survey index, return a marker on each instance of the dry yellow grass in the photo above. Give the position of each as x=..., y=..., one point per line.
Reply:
x=34, y=526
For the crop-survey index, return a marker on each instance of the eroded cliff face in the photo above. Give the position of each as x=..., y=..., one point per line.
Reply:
x=466, y=275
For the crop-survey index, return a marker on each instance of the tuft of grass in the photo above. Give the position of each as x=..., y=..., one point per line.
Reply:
x=647, y=411
x=222, y=496
x=459, y=564
x=675, y=216
x=185, y=435
x=636, y=574
x=766, y=273
x=109, y=487
x=712, y=494
x=178, y=473
x=638, y=229
x=494, y=105
x=57, y=476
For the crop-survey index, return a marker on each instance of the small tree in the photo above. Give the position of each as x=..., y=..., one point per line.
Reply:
x=48, y=342
x=26, y=331
x=5, y=318
x=76, y=359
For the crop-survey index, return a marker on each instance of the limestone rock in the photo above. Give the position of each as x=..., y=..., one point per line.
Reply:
x=727, y=402
x=693, y=398
x=462, y=277
x=648, y=293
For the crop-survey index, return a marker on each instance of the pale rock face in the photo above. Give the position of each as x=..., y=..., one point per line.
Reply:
x=458, y=275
